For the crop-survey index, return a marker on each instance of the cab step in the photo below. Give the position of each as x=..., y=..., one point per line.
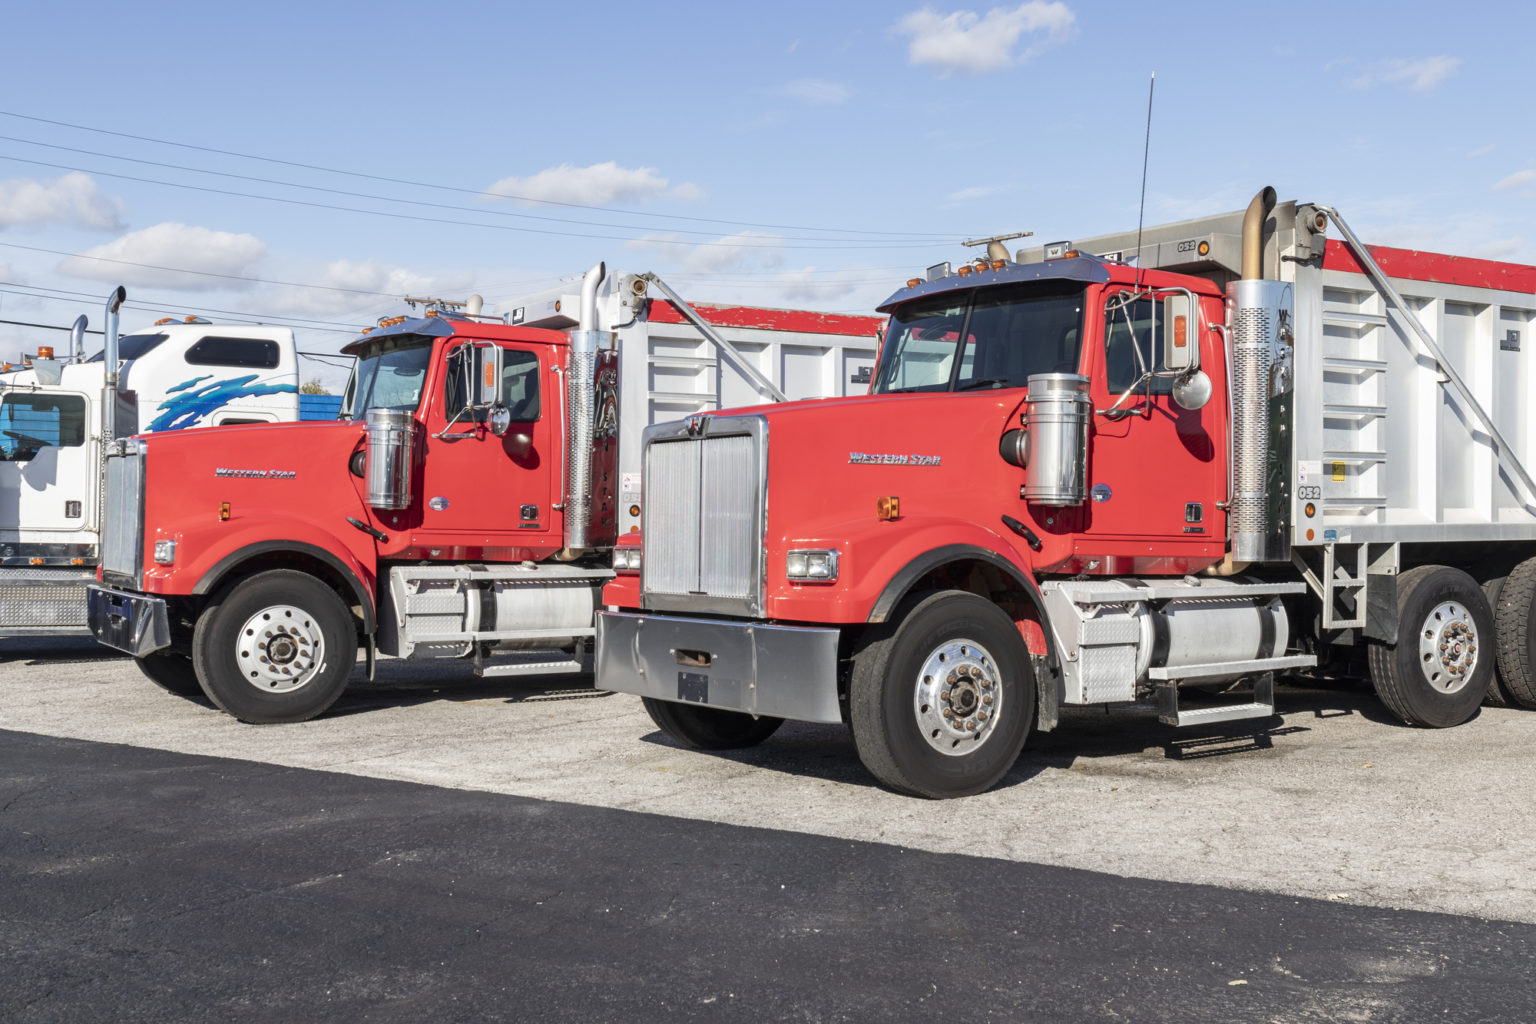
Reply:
x=1261, y=706
x=534, y=663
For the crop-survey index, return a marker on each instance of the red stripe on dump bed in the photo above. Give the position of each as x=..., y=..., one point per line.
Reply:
x=1437, y=267
x=663, y=312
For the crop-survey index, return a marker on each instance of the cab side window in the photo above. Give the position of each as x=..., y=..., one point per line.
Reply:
x=1131, y=346
x=519, y=385
x=30, y=423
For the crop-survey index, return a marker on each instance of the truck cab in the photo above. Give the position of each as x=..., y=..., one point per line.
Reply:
x=173, y=375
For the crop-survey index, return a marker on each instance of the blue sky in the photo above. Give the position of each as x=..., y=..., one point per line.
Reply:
x=795, y=154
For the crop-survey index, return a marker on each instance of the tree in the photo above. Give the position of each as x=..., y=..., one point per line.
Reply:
x=313, y=386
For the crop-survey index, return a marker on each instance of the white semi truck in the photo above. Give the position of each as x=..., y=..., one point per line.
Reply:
x=56, y=413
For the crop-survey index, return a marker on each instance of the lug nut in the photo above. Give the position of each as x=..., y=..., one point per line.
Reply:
x=987, y=699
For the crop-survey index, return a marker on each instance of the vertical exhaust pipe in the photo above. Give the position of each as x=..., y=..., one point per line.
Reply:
x=109, y=359
x=77, y=338
x=580, y=409
x=1261, y=315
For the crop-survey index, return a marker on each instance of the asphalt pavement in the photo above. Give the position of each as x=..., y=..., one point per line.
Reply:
x=448, y=848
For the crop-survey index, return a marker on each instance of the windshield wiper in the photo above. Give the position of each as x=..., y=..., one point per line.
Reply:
x=988, y=382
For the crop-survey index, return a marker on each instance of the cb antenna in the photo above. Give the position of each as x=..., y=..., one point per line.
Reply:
x=1145, y=150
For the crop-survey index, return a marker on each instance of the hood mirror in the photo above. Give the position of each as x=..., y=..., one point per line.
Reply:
x=1192, y=390
x=500, y=419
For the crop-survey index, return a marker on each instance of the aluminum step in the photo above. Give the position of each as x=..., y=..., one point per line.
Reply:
x=530, y=668
x=1196, y=673
x=1262, y=705
x=1225, y=713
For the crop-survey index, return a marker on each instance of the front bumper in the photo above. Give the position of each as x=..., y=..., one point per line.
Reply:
x=135, y=623
x=780, y=671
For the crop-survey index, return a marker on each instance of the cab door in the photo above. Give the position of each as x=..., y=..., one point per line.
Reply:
x=483, y=496
x=1156, y=470
x=48, y=469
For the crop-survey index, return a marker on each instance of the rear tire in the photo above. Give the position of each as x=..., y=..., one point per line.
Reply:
x=279, y=646
x=172, y=671
x=941, y=702
x=1515, y=621
x=704, y=728
x=1438, y=671
x=1498, y=695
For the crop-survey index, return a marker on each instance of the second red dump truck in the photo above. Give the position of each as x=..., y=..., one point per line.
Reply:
x=1096, y=474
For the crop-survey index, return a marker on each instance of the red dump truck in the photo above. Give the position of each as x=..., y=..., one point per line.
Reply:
x=465, y=505
x=1105, y=472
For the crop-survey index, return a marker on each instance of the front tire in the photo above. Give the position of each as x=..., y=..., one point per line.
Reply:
x=172, y=671
x=940, y=704
x=704, y=728
x=1437, y=673
x=279, y=646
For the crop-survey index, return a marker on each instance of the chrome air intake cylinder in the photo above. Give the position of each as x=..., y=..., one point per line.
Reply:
x=1261, y=313
x=1057, y=412
x=391, y=434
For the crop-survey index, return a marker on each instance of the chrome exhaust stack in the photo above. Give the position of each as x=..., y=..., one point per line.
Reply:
x=109, y=360
x=1261, y=339
x=580, y=384
x=77, y=338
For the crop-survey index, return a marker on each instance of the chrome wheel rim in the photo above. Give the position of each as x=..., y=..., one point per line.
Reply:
x=1448, y=647
x=279, y=649
x=958, y=697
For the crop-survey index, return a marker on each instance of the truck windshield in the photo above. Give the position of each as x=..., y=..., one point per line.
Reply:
x=988, y=338
x=388, y=377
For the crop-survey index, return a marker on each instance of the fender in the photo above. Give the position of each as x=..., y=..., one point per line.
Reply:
x=902, y=583
x=221, y=568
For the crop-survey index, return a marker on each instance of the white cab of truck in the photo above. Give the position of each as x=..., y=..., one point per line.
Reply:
x=173, y=375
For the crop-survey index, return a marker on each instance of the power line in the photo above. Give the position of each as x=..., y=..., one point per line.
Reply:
x=410, y=202
x=433, y=220
x=45, y=327
x=238, y=316
x=448, y=188
x=199, y=273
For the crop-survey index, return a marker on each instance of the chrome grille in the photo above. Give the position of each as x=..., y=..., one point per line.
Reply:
x=122, y=534
x=704, y=508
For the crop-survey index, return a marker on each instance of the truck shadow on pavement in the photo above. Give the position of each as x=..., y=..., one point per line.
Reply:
x=1085, y=735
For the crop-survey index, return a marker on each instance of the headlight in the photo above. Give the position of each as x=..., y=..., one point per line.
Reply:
x=626, y=559
x=165, y=552
x=811, y=565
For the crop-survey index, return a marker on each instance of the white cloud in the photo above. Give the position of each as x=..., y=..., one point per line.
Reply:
x=596, y=185
x=967, y=43
x=1481, y=151
x=1421, y=75
x=815, y=92
x=744, y=250
x=966, y=195
x=74, y=198
x=1517, y=180
x=143, y=254
x=363, y=276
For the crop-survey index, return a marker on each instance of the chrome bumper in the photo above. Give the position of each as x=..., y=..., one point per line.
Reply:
x=135, y=623
x=780, y=671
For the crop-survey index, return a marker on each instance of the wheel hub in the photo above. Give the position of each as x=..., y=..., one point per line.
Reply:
x=279, y=649
x=958, y=697
x=1448, y=646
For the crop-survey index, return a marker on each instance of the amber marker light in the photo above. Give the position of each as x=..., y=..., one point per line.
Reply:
x=964, y=270
x=1311, y=510
x=634, y=510
x=165, y=320
x=1180, y=331
x=999, y=264
x=887, y=508
x=45, y=351
x=913, y=282
x=224, y=512
x=1204, y=249
x=35, y=561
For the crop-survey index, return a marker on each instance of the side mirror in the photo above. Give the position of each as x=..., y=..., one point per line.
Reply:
x=487, y=376
x=1192, y=390
x=1180, y=338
